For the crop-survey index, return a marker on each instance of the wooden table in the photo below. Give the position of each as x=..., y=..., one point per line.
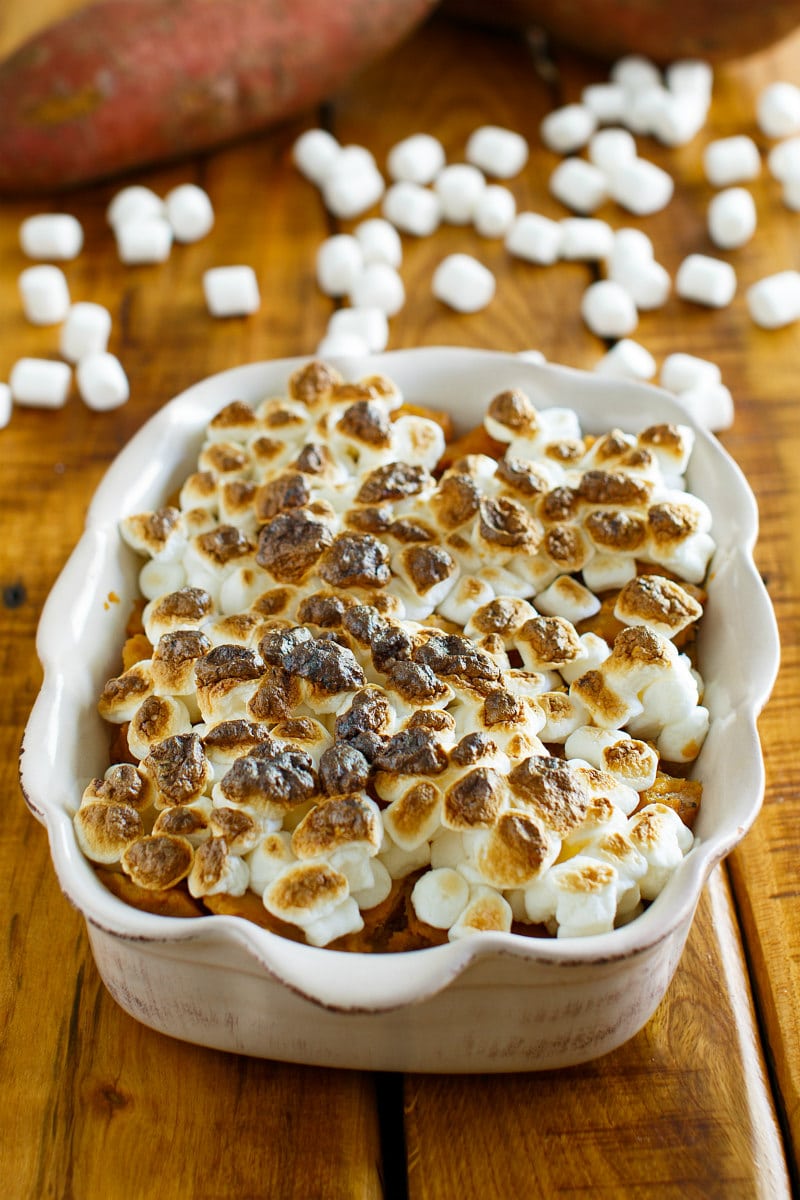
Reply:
x=705, y=1101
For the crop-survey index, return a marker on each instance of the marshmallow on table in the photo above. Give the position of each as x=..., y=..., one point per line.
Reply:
x=314, y=153
x=5, y=405
x=40, y=383
x=711, y=406
x=690, y=76
x=189, y=212
x=369, y=324
x=343, y=345
x=379, y=242
x=44, y=294
x=731, y=160
x=416, y=159
x=102, y=382
x=791, y=193
x=647, y=283
x=353, y=183
x=494, y=211
x=143, y=240
x=134, y=203
x=605, y=101
x=706, y=280
x=608, y=148
x=731, y=218
x=378, y=286
x=579, y=185
x=54, y=236
x=634, y=72
x=535, y=238
x=627, y=360
x=676, y=119
x=682, y=372
x=340, y=261
x=783, y=160
x=412, y=208
x=585, y=239
x=85, y=331
x=567, y=129
x=231, y=291
x=640, y=186
x=774, y=301
x=497, y=151
x=608, y=310
x=778, y=110
x=458, y=187
x=463, y=283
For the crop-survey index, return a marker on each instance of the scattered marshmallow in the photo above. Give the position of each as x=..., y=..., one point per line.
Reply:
x=379, y=242
x=535, y=238
x=189, y=212
x=416, y=159
x=711, y=407
x=231, y=291
x=706, y=280
x=143, y=240
x=676, y=119
x=352, y=183
x=608, y=148
x=647, y=283
x=567, y=129
x=494, y=211
x=340, y=261
x=499, y=152
x=774, y=301
x=778, y=110
x=791, y=193
x=731, y=160
x=412, y=208
x=690, y=76
x=378, y=286
x=134, y=203
x=463, y=283
x=102, y=382
x=579, y=185
x=5, y=405
x=369, y=324
x=783, y=160
x=45, y=294
x=585, y=239
x=627, y=360
x=684, y=372
x=314, y=154
x=605, y=101
x=86, y=330
x=458, y=187
x=608, y=310
x=731, y=218
x=40, y=383
x=640, y=186
x=343, y=345
x=634, y=72
x=52, y=236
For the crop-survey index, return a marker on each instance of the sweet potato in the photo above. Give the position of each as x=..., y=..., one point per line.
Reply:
x=123, y=83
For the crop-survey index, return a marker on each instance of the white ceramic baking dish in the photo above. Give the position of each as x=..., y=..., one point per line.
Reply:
x=494, y=1002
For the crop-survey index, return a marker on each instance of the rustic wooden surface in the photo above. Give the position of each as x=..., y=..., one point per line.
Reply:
x=705, y=1101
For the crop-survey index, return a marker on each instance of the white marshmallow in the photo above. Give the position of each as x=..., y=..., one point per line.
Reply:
x=440, y=896
x=605, y=101
x=648, y=283
x=354, y=185
x=343, y=345
x=143, y=240
x=370, y=324
x=660, y=835
x=231, y=291
x=579, y=185
x=631, y=247
x=39, y=383
x=711, y=407
x=690, y=76
x=134, y=203
x=565, y=597
x=416, y=159
x=378, y=286
x=608, y=310
x=778, y=110
x=458, y=187
x=790, y=194
x=499, y=152
x=585, y=895
x=535, y=238
x=705, y=280
x=339, y=263
x=567, y=129
x=494, y=211
x=379, y=242
x=643, y=107
x=463, y=283
x=774, y=301
x=608, y=148
x=640, y=186
x=731, y=218
x=680, y=372
x=606, y=571
x=44, y=294
x=5, y=405
x=412, y=208
x=783, y=161
x=531, y=356
x=585, y=239
x=85, y=331
x=676, y=119
x=314, y=154
x=189, y=212
x=54, y=236
x=731, y=160
x=634, y=72
x=102, y=382
x=627, y=360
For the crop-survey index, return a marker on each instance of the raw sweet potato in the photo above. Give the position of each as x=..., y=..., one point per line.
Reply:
x=123, y=83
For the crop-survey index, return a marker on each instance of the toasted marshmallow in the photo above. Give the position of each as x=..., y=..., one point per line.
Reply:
x=339, y=829
x=617, y=849
x=269, y=782
x=199, y=490
x=423, y=577
x=226, y=741
x=626, y=759
x=586, y=896
x=189, y=821
x=160, y=534
x=327, y=671
x=594, y=651
x=415, y=816
x=305, y=892
x=470, y=593
x=173, y=661
x=158, y=861
x=677, y=540
x=227, y=677
x=185, y=608
x=224, y=460
x=567, y=547
x=236, y=422
x=658, y=833
x=504, y=530
x=515, y=851
x=177, y=769
x=314, y=383
x=602, y=817
x=552, y=790
x=306, y=734
x=605, y=788
x=343, y=770
x=671, y=445
x=156, y=718
x=609, y=706
x=566, y=597
x=548, y=643
x=512, y=722
x=504, y=616
x=418, y=440
x=121, y=696
x=510, y=415
x=411, y=752
x=268, y=858
x=212, y=556
x=658, y=603
x=240, y=830
x=440, y=896
x=486, y=912
x=291, y=544
x=216, y=871
x=475, y=800
x=105, y=830
x=562, y=714
x=122, y=784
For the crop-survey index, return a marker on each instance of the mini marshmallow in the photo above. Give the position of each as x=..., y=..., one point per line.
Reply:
x=44, y=294
x=690, y=76
x=340, y=261
x=486, y=911
x=731, y=160
x=604, y=572
x=416, y=159
x=535, y=238
x=378, y=286
x=658, y=833
x=711, y=407
x=680, y=372
x=5, y=405
x=705, y=280
x=497, y=151
x=790, y=194
x=579, y=185
x=144, y=240
x=627, y=360
x=778, y=110
x=608, y=148
x=379, y=242
x=605, y=101
x=231, y=291
x=369, y=324
x=647, y=283
x=608, y=309
x=463, y=283
x=133, y=203
x=412, y=208
x=634, y=72
x=189, y=212
x=774, y=301
x=631, y=248
x=731, y=218
x=440, y=896
x=102, y=382
x=354, y=185
x=314, y=154
x=585, y=239
x=85, y=331
x=458, y=187
x=54, y=236
x=567, y=129
x=783, y=161
x=640, y=186
x=676, y=119
x=565, y=597
x=343, y=345
x=494, y=211
x=39, y=383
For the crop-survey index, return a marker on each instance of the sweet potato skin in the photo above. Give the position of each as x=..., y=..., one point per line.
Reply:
x=124, y=83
